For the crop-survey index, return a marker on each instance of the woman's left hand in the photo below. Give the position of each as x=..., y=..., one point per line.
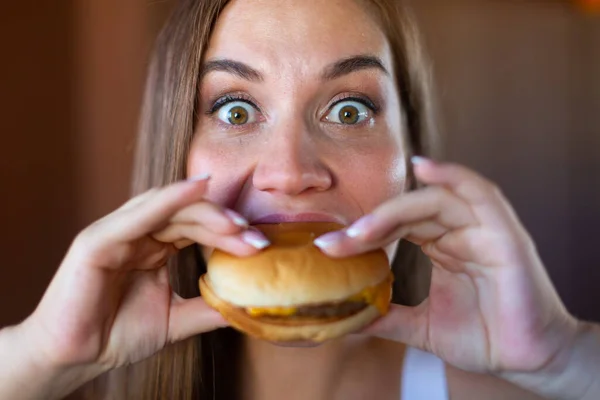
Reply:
x=491, y=307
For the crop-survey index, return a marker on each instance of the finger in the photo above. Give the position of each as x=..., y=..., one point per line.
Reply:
x=421, y=233
x=151, y=214
x=451, y=259
x=189, y=317
x=460, y=244
x=420, y=216
x=402, y=324
x=135, y=201
x=338, y=244
x=183, y=243
x=212, y=216
x=485, y=198
x=244, y=243
x=432, y=203
x=151, y=254
x=462, y=248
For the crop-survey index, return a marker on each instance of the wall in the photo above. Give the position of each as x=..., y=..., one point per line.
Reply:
x=72, y=75
x=37, y=158
x=519, y=94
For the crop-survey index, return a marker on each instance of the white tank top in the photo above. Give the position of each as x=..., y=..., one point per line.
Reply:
x=423, y=377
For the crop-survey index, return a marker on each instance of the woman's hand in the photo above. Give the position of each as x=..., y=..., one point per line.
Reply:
x=492, y=307
x=110, y=303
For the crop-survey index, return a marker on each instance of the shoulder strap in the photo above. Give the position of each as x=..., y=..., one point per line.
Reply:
x=423, y=377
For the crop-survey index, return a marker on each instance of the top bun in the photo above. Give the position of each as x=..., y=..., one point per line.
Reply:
x=293, y=271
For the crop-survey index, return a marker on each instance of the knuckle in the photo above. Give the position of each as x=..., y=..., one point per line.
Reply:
x=437, y=197
x=89, y=244
x=493, y=190
x=165, y=235
x=160, y=258
x=85, y=239
x=439, y=194
x=482, y=191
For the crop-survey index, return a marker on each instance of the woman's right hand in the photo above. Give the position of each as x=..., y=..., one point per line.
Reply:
x=110, y=302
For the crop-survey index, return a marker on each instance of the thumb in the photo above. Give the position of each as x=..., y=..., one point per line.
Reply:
x=403, y=324
x=189, y=317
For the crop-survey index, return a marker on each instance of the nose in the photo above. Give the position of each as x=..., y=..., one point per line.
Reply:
x=290, y=162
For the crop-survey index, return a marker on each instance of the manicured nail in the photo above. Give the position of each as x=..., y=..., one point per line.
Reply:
x=255, y=239
x=418, y=160
x=328, y=239
x=359, y=227
x=236, y=218
x=199, y=177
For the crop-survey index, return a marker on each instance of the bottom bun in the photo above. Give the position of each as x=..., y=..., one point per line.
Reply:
x=313, y=331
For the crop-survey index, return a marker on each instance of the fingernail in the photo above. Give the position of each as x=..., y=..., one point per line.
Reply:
x=359, y=227
x=328, y=239
x=418, y=160
x=199, y=177
x=255, y=239
x=236, y=218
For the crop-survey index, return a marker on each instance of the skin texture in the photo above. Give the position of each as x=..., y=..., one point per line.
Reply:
x=291, y=160
x=492, y=308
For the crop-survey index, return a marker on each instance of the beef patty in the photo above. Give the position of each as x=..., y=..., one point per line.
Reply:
x=325, y=310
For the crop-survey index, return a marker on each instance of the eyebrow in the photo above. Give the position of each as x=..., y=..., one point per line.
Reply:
x=233, y=67
x=353, y=64
x=336, y=70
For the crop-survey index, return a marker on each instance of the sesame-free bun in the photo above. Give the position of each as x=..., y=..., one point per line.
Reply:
x=292, y=272
x=315, y=331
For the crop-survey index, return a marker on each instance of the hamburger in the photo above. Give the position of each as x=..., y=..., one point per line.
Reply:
x=292, y=292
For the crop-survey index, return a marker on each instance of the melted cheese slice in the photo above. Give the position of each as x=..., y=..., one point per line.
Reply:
x=271, y=311
x=378, y=296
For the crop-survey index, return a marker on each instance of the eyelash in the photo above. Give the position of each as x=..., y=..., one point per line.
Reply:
x=241, y=97
x=230, y=98
x=359, y=99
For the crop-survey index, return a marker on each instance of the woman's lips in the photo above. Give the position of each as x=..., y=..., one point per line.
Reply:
x=303, y=217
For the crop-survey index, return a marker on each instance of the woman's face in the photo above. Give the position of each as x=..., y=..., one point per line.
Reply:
x=299, y=115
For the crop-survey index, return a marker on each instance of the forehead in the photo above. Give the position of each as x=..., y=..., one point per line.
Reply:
x=300, y=34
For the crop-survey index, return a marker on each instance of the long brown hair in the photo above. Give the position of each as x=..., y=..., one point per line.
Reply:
x=205, y=366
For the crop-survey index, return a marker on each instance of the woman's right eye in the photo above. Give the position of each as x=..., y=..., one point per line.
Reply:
x=237, y=113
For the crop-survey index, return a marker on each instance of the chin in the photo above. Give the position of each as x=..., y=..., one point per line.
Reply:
x=291, y=294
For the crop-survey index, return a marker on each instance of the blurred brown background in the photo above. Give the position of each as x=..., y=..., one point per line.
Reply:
x=519, y=88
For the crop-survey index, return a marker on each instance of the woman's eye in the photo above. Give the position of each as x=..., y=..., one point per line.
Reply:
x=237, y=113
x=348, y=113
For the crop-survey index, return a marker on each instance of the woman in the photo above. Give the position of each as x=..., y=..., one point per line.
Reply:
x=291, y=110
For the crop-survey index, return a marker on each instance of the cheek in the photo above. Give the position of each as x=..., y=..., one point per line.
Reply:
x=376, y=176
x=225, y=167
x=204, y=159
x=397, y=176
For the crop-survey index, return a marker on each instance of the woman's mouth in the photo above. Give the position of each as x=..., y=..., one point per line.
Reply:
x=302, y=217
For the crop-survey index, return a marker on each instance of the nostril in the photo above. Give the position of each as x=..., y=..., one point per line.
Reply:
x=291, y=164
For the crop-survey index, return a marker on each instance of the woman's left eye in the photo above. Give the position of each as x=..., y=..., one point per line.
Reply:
x=349, y=112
